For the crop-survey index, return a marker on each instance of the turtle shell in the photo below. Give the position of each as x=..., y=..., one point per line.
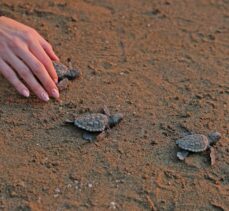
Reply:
x=92, y=122
x=63, y=71
x=193, y=143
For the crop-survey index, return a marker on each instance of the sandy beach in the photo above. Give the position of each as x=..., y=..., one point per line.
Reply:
x=164, y=65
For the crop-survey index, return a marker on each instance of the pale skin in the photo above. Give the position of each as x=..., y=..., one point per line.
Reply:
x=26, y=60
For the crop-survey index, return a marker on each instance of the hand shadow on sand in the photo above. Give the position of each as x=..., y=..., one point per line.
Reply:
x=10, y=95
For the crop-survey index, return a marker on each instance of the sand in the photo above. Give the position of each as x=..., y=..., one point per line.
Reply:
x=164, y=64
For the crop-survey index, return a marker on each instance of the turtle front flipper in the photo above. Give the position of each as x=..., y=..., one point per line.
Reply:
x=182, y=154
x=63, y=84
x=212, y=155
x=106, y=111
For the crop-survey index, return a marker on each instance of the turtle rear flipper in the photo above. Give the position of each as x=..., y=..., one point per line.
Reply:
x=89, y=136
x=182, y=154
x=68, y=121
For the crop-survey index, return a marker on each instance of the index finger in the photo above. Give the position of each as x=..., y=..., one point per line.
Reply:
x=48, y=49
x=42, y=56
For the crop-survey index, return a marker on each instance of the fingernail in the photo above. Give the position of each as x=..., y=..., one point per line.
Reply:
x=25, y=93
x=56, y=80
x=44, y=96
x=57, y=58
x=55, y=93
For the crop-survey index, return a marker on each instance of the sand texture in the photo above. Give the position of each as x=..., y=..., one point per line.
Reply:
x=165, y=65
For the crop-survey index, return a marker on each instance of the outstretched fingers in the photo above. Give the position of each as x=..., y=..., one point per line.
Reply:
x=10, y=75
x=48, y=49
x=41, y=55
x=38, y=69
x=25, y=73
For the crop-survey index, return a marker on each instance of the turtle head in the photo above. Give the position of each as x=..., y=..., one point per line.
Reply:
x=214, y=137
x=72, y=74
x=115, y=119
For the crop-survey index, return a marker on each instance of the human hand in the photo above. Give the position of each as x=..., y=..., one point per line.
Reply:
x=26, y=60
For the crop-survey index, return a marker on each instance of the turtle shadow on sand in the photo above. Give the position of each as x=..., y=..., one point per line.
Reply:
x=89, y=137
x=95, y=125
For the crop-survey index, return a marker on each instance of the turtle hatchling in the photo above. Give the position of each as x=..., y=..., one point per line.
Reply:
x=94, y=124
x=65, y=74
x=197, y=143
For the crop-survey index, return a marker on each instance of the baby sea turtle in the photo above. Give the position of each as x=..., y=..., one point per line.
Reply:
x=65, y=74
x=197, y=143
x=94, y=124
